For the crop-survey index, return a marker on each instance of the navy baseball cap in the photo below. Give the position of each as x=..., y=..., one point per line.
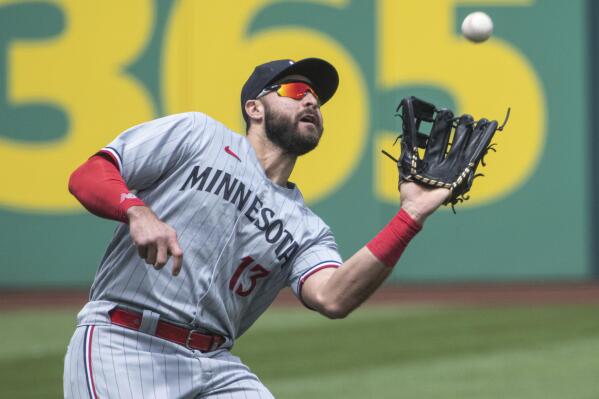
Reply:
x=322, y=74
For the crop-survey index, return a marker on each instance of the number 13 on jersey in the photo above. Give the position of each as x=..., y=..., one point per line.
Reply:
x=256, y=272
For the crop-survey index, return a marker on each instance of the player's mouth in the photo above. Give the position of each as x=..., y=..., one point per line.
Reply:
x=309, y=118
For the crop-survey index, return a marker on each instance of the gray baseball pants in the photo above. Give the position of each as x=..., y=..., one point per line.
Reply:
x=109, y=361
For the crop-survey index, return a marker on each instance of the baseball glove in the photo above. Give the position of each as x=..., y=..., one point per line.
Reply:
x=451, y=165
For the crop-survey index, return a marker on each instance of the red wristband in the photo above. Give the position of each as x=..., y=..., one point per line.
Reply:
x=389, y=243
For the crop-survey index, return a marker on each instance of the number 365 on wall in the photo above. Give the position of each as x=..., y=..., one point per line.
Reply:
x=70, y=61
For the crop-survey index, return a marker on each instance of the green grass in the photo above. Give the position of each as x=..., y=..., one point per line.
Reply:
x=32, y=349
x=385, y=352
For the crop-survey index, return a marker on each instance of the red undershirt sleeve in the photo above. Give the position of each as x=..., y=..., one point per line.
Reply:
x=100, y=188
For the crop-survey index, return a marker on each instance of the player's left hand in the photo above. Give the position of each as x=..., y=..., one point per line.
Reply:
x=448, y=155
x=421, y=201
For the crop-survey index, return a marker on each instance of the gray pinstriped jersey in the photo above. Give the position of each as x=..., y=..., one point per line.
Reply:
x=244, y=238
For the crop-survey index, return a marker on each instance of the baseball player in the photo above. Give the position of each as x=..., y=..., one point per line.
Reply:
x=218, y=210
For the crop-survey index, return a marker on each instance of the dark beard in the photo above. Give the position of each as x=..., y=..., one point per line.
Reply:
x=284, y=133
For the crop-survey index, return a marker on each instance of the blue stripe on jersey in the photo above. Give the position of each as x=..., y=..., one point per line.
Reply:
x=313, y=270
x=119, y=159
x=307, y=272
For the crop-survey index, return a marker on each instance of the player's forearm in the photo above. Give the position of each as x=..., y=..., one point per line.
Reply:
x=350, y=285
x=100, y=188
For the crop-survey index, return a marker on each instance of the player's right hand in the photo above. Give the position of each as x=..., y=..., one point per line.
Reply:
x=154, y=239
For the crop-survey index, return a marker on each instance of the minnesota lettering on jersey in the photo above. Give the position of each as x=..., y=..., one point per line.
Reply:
x=231, y=189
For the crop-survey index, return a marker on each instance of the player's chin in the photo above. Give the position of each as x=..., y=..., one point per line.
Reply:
x=304, y=141
x=310, y=131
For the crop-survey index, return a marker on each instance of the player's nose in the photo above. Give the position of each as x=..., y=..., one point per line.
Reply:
x=310, y=100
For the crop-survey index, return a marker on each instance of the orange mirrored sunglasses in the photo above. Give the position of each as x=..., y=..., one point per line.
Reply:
x=295, y=90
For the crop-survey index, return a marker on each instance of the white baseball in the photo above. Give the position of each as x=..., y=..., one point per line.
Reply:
x=477, y=27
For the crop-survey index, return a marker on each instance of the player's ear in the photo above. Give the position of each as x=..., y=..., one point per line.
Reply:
x=255, y=110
